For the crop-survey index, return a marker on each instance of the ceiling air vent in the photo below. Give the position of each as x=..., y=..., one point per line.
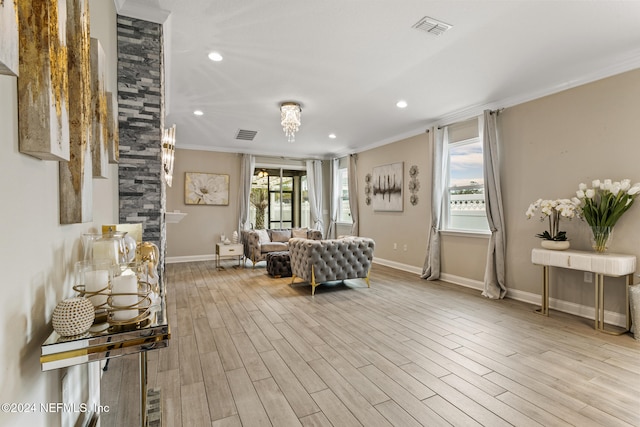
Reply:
x=246, y=135
x=431, y=26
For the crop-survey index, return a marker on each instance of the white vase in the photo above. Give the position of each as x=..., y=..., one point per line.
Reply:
x=555, y=245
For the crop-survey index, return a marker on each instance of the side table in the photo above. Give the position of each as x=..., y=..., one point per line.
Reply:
x=231, y=250
x=612, y=265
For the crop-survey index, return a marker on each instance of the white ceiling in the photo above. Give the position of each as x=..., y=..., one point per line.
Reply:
x=349, y=61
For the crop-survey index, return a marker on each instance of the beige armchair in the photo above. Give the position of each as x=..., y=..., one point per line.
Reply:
x=258, y=243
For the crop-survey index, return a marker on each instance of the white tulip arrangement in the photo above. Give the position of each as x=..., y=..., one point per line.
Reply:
x=602, y=205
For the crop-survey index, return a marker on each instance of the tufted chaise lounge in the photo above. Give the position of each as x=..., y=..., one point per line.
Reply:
x=320, y=261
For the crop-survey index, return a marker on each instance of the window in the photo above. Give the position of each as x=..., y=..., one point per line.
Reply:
x=279, y=199
x=344, y=211
x=464, y=204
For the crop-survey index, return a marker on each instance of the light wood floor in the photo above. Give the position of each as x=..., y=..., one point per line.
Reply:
x=247, y=349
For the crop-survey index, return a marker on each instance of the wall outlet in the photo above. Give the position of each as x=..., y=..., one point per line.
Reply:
x=404, y=248
x=395, y=246
x=588, y=277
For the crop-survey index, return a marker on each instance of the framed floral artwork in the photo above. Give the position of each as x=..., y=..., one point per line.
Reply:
x=206, y=189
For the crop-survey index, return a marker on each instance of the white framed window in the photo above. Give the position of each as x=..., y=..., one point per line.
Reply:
x=464, y=204
x=344, y=211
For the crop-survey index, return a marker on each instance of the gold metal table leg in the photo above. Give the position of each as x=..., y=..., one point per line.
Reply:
x=596, y=301
x=628, y=283
x=599, y=322
x=544, y=305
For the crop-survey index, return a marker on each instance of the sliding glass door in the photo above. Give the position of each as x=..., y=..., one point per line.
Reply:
x=279, y=199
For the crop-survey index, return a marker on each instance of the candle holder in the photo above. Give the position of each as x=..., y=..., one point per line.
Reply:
x=129, y=302
x=92, y=281
x=87, y=245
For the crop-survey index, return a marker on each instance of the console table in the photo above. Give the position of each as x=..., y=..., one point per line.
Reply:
x=612, y=265
x=59, y=352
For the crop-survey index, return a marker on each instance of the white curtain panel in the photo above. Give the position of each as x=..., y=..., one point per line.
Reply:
x=353, y=194
x=247, y=166
x=335, y=198
x=439, y=139
x=494, y=274
x=314, y=179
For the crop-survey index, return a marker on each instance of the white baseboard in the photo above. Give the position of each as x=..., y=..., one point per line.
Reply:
x=398, y=266
x=462, y=281
x=588, y=312
x=189, y=258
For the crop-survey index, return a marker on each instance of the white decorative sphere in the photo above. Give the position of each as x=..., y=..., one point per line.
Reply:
x=73, y=316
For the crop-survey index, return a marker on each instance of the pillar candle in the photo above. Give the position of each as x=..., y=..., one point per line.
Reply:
x=126, y=283
x=95, y=281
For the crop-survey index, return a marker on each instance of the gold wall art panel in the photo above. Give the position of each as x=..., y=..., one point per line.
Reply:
x=76, y=186
x=113, y=134
x=43, y=98
x=99, y=128
x=9, y=37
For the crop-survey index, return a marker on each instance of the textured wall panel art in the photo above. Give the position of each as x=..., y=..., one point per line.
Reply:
x=43, y=111
x=99, y=132
x=387, y=187
x=9, y=37
x=76, y=187
x=113, y=135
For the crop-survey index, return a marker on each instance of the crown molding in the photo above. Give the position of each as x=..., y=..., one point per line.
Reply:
x=261, y=153
x=632, y=62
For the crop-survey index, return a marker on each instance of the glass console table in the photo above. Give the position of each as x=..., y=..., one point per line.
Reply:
x=115, y=341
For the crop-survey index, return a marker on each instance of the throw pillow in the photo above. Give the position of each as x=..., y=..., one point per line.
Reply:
x=263, y=236
x=299, y=232
x=280, y=235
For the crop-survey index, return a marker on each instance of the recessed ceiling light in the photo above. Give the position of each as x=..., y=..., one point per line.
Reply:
x=215, y=56
x=401, y=104
x=332, y=135
x=198, y=113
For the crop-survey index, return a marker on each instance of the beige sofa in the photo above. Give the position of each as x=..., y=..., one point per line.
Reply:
x=321, y=261
x=258, y=243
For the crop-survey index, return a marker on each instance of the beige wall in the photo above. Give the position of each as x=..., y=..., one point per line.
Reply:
x=550, y=146
x=408, y=227
x=197, y=234
x=36, y=259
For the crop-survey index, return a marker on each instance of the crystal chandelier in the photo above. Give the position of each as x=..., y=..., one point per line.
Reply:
x=290, y=119
x=168, y=153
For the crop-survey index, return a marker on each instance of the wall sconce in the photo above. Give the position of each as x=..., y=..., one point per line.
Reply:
x=168, y=153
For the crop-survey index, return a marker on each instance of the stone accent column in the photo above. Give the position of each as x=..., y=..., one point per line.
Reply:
x=141, y=120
